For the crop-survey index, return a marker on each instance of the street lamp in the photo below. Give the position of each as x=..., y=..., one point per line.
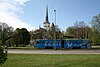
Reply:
x=55, y=28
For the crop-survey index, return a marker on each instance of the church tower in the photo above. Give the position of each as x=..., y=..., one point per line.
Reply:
x=46, y=23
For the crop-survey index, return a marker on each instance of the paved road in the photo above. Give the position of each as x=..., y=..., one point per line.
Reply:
x=19, y=51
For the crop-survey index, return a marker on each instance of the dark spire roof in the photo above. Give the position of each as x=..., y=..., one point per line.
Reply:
x=46, y=19
x=47, y=13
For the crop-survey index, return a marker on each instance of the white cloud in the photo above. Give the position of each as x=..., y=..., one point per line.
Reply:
x=9, y=10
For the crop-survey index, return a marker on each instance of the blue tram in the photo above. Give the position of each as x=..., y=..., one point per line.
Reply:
x=73, y=43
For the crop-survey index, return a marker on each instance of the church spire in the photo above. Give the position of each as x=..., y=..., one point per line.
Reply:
x=46, y=18
x=46, y=14
x=46, y=23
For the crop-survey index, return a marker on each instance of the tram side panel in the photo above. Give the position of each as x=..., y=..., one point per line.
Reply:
x=73, y=44
x=67, y=44
x=40, y=44
x=77, y=43
x=63, y=44
x=49, y=44
x=86, y=44
x=58, y=44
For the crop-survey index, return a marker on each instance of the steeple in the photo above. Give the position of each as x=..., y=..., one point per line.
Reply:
x=46, y=23
x=46, y=19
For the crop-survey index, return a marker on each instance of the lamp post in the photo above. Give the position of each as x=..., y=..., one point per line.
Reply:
x=55, y=28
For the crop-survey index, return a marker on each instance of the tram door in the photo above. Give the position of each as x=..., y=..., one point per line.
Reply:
x=62, y=43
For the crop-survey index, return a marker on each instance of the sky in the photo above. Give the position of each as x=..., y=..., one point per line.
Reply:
x=30, y=14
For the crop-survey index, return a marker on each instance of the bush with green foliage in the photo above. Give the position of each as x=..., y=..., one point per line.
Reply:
x=3, y=55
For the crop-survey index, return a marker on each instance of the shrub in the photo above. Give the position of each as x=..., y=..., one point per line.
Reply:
x=3, y=55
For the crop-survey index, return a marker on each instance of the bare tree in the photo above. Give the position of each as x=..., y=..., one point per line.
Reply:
x=79, y=30
x=96, y=22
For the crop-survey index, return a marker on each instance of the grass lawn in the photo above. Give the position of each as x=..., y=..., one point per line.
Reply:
x=24, y=48
x=52, y=60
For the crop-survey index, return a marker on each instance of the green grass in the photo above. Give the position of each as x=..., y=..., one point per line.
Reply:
x=95, y=47
x=24, y=48
x=52, y=60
